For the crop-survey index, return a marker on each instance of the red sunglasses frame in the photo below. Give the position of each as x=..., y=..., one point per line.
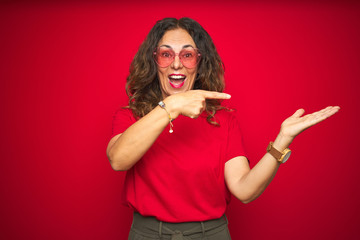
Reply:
x=176, y=54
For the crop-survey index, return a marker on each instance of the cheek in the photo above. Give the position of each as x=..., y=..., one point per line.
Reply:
x=192, y=74
x=162, y=74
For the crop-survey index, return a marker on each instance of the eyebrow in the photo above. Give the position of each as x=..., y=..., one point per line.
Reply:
x=185, y=46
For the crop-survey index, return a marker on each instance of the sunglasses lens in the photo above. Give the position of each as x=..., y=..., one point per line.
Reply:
x=189, y=57
x=164, y=56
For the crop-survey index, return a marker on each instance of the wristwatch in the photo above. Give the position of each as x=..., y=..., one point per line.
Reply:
x=281, y=157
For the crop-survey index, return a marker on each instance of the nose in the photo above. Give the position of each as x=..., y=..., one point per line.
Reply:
x=176, y=64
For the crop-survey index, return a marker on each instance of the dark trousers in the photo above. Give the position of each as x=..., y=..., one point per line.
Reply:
x=146, y=228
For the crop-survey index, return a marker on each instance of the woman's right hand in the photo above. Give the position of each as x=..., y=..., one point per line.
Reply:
x=191, y=103
x=125, y=149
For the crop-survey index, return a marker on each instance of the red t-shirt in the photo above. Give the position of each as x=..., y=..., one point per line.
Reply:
x=181, y=177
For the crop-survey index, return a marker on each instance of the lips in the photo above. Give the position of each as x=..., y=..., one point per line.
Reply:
x=177, y=80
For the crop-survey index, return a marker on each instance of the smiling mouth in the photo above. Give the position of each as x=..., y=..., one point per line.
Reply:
x=177, y=80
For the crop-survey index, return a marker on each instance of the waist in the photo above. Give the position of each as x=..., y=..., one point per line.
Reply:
x=152, y=226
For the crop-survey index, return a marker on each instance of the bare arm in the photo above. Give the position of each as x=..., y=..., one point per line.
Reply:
x=246, y=184
x=125, y=149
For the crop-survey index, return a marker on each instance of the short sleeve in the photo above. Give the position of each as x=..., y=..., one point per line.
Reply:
x=235, y=147
x=122, y=119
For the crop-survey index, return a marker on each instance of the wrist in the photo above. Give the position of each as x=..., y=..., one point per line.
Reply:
x=163, y=106
x=171, y=107
x=282, y=141
x=280, y=155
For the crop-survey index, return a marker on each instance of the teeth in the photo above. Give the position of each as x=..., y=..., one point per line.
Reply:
x=176, y=77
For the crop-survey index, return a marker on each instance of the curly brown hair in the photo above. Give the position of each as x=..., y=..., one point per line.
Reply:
x=143, y=87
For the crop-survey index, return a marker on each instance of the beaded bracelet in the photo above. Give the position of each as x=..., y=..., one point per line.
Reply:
x=162, y=105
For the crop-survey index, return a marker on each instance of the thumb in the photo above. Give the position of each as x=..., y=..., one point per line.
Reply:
x=298, y=113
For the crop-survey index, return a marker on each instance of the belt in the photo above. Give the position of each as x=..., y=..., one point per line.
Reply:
x=151, y=227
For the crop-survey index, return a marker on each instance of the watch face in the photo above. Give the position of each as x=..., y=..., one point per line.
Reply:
x=286, y=157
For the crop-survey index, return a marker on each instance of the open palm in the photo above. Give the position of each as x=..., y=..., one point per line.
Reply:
x=297, y=123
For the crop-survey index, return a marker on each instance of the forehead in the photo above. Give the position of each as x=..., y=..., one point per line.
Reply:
x=177, y=39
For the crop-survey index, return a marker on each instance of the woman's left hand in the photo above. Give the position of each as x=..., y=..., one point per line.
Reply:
x=297, y=123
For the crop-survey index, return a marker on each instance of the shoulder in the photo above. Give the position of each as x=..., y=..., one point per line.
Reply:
x=124, y=112
x=122, y=119
x=226, y=116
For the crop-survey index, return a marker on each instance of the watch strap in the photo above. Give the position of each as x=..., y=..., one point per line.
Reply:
x=279, y=156
x=274, y=152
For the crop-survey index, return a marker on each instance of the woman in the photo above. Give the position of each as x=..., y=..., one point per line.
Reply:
x=181, y=148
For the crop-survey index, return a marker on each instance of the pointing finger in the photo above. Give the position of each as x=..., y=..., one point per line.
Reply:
x=215, y=95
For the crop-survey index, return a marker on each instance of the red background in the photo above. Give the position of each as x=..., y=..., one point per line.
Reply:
x=63, y=68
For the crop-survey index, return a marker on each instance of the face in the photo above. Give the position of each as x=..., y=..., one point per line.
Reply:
x=176, y=78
